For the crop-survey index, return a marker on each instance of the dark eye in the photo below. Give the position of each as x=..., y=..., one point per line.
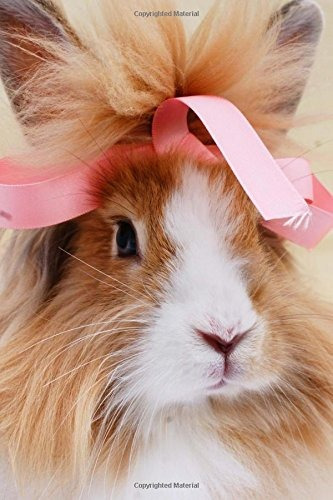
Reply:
x=126, y=239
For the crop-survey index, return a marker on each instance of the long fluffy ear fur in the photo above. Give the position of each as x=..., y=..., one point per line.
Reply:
x=21, y=23
x=98, y=87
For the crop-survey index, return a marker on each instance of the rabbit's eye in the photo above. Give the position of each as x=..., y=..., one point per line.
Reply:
x=126, y=239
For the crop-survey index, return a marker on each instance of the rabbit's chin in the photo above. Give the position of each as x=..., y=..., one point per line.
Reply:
x=237, y=386
x=227, y=388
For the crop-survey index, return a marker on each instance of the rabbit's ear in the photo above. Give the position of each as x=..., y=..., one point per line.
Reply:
x=22, y=24
x=301, y=24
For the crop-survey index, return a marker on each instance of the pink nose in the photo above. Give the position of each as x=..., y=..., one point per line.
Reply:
x=219, y=344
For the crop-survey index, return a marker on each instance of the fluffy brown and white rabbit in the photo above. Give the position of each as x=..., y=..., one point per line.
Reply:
x=164, y=337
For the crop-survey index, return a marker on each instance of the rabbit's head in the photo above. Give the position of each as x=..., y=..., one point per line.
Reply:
x=171, y=293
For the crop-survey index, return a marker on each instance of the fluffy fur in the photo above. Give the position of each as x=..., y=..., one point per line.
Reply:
x=104, y=380
x=90, y=95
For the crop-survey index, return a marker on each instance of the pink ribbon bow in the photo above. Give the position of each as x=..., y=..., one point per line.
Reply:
x=291, y=200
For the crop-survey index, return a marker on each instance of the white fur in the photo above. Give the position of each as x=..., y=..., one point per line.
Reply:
x=8, y=490
x=184, y=451
x=205, y=285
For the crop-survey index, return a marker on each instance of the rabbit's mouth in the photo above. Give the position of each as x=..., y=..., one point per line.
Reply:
x=217, y=386
x=227, y=373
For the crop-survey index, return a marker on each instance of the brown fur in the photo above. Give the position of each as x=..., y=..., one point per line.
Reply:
x=88, y=99
x=57, y=358
x=55, y=384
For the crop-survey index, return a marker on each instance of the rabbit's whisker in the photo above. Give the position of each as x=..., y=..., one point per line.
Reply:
x=99, y=271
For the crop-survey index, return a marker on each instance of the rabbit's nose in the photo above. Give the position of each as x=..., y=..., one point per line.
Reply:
x=220, y=344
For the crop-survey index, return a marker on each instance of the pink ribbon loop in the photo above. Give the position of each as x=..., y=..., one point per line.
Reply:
x=289, y=197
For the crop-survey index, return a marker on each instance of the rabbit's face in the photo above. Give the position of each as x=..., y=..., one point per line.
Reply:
x=183, y=259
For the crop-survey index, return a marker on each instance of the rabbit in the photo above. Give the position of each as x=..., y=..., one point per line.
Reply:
x=163, y=344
